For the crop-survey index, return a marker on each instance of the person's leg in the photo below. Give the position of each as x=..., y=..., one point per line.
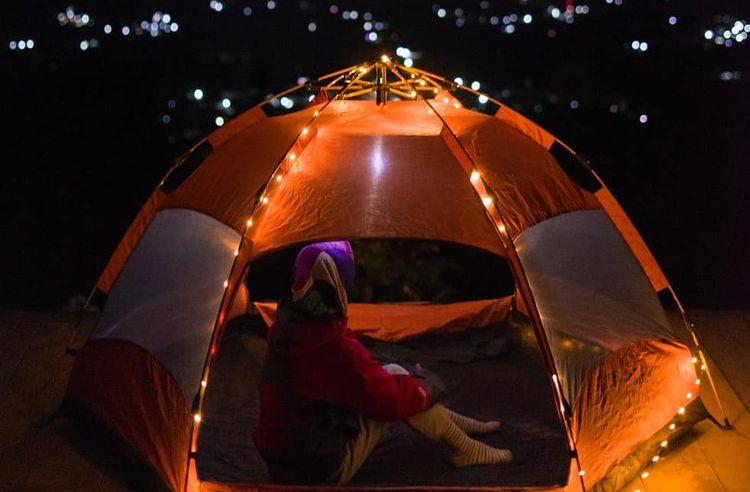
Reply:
x=358, y=450
x=472, y=426
x=436, y=424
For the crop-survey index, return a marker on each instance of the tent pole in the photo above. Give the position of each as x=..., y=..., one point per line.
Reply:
x=231, y=290
x=522, y=282
x=691, y=328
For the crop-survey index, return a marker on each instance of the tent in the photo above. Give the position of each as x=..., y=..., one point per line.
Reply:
x=381, y=150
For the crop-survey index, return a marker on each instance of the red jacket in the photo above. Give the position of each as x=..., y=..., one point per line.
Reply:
x=324, y=366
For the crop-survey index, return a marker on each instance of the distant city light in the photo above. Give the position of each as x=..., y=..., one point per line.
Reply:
x=13, y=45
x=483, y=99
x=84, y=45
x=353, y=15
x=635, y=45
x=408, y=62
x=527, y=19
x=125, y=30
x=107, y=29
x=672, y=20
x=574, y=104
x=226, y=103
x=247, y=11
x=441, y=13
x=509, y=29
x=312, y=27
x=476, y=85
x=216, y=6
x=372, y=36
x=30, y=44
x=367, y=26
x=403, y=52
x=643, y=46
x=165, y=118
x=709, y=34
x=613, y=108
x=270, y=5
x=333, y=9
x=219, y=121
x=459, y=81
x=644, y=118
x=198, y=94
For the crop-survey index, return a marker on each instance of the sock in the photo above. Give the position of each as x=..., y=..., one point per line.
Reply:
x=470, y=452
x=472, y=426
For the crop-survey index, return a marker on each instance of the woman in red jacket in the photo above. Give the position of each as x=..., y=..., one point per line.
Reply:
x=324, y=402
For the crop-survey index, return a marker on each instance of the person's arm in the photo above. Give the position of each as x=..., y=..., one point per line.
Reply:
x=350, y=377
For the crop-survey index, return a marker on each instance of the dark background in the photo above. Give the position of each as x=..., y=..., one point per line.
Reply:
x=85, y=139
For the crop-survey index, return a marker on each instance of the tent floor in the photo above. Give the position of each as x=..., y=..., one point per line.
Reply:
x=510, y=387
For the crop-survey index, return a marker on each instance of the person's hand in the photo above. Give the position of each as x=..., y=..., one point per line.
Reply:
x=395, y=369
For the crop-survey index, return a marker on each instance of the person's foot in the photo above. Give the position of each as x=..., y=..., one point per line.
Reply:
x=478, y=453
x=473, y=426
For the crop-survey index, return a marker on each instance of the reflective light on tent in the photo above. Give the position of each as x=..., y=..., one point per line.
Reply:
x=292, y=156
x=695, y=360
x=315, y=114
x=264, y=200
x=501, y=228
x=456, y=104
x=474, y=176
x=278, y=178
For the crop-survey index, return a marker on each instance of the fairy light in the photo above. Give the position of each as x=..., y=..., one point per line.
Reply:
x=501, y=228
x=305, y=131
x=197, y=418
x=292, y=156
x=316, y=114
x=695, y=360
x=487, y=201
x=698, y=382
x=236, y=252
x=474, y=176
x=413, y=94
x=264, y=200
x=681, y=410
x=645, y=475
x=249, y=222
x=672, y=426
x=656, y=458
x=689, y=395
x=226, y=284
x=664, y=443
x=278, y=178
x=582, y=473
x=204, y=384
x=385, y=59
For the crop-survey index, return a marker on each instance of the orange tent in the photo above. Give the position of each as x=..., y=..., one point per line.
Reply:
x=391, y=153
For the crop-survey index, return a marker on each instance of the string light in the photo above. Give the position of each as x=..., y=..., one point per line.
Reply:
x=236, y=252
x=197, y=418
x=581, y=473
x=656, y=458
x=226, y=284
x=487, y=201
x=264, y=200
x=664, y=443
x=249, y=222
x=474, y=176
x=672, y=426
x=305, y=131
x=689, y=396
x=695, y=360
x=278, y=178
x=645, y=475
x=681, y=410
x=292, y=156
x=698, y=382
x=204, y=384
x=501, y=228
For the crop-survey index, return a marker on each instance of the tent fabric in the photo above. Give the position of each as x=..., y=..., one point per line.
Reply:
x=631, y=394
x=131, y=392
x=151, y=305
x=396, y=322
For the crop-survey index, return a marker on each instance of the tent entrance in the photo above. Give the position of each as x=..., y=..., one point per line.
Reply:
x=491, y=365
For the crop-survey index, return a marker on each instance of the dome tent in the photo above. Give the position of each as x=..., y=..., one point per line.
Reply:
x=355, y=164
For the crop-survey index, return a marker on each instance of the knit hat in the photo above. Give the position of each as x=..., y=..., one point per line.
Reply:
x=329, y=262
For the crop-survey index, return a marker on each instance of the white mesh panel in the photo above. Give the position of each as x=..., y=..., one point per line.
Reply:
x=167, y=297
x=591, y=293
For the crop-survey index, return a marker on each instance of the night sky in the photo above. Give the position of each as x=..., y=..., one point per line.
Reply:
x=103, y=99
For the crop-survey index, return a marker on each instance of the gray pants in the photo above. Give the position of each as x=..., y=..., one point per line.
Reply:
x=431, y=423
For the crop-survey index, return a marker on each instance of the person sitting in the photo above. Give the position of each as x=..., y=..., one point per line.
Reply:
x=325, y=402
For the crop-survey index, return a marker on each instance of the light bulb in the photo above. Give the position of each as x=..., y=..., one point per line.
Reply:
x=487, y=201
x=226, y=284
x=672, y=427
x=582, y=473
x=236, y=252
x=681, y=410
x=249, y=222
x=664, y=443
x=474, y=176
x=698, y=382
x=264, y=199
x=197, y=418
x=645, y=474
x=689, y=395
x=655, y=458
